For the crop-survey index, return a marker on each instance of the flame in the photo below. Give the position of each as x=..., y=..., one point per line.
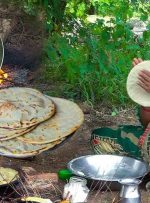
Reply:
x=3, y=76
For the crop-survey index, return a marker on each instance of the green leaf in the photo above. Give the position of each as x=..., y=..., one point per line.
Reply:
x=113, y=113
x=144, y=17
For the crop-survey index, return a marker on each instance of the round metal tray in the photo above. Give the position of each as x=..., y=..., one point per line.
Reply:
x=108, y=167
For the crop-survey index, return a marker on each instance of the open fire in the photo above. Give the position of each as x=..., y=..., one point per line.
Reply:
x=3, y=76
x=13, y=76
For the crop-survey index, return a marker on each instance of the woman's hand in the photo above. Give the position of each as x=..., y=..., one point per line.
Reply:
x=144, y=80
x=136, y=61
x=144, y=76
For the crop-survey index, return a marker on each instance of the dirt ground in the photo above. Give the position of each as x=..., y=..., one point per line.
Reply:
x=75, y=146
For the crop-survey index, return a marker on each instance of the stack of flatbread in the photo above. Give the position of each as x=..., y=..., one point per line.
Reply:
x=31, y=122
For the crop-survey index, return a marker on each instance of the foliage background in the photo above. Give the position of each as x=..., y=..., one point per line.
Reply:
x=90, y=61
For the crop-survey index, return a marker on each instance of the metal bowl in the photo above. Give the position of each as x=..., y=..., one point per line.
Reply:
x=108, y=167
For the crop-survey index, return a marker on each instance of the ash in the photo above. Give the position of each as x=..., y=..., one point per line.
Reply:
x=17, y=76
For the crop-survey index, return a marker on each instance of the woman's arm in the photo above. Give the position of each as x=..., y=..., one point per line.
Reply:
x=145, y=116
x=144, y=82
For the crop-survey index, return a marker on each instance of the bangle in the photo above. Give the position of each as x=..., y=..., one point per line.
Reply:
x=145, y=109
x=143, y=137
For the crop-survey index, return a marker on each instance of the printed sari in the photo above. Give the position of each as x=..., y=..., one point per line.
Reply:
x=128, y=140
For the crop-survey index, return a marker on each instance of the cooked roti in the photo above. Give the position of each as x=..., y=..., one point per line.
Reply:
x=7, y=134
x=67, y=119
x=135, y=92
x=18, y=149
x=23, y=107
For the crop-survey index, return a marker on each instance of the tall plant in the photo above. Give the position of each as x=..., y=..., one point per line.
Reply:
x=94, y=59
x=97, y=57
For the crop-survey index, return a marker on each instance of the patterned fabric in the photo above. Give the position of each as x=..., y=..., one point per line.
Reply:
x=122, y=140
x=144, y=141
x=144, y=144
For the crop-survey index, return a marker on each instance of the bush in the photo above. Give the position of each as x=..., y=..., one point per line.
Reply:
x=92, y=59
x=96, y=58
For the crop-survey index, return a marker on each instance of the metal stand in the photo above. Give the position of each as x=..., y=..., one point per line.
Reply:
x=130, y=191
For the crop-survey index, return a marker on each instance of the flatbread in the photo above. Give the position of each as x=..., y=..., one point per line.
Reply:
x=135, y=92
x=8, y=175
x=23, y=107
x=7, y=134
x=18, y=149
x=67, y=119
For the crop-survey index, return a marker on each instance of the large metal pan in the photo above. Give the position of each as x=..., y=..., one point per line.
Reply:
x=108, y=167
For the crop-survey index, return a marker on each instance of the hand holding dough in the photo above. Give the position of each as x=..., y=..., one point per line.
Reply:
x=138, y=84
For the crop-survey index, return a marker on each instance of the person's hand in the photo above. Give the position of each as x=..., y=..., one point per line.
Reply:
x=144, y=76
x=144, y=80
x=136, y=61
